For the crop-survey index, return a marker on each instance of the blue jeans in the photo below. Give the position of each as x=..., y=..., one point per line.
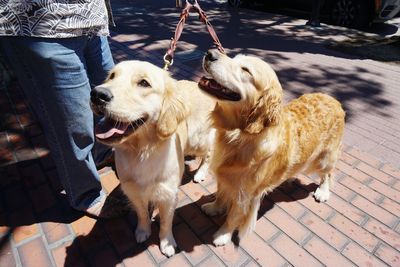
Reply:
x=57, y=76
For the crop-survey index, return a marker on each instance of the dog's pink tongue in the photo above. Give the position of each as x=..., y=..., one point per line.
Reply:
x=107, y=128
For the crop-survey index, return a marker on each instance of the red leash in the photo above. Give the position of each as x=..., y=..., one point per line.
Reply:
x=169, y=56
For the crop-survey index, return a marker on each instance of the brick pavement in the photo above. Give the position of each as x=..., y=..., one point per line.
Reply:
x=359, y=226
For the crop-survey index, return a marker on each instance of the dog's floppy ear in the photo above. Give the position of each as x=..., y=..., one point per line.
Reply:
x=266, y=112
x=172, y=113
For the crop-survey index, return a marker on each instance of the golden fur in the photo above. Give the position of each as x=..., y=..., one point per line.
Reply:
x=261, y=143
x=171, y=120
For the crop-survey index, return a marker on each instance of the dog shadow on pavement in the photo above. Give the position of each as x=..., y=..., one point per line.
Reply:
x=111, y=242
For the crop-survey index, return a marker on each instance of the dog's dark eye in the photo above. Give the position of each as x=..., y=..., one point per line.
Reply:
x=112, y=75
x=144, y=83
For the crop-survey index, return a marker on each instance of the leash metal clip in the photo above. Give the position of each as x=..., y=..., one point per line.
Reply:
x=168, y=62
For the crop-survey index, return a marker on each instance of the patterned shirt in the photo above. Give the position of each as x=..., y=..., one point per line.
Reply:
x=54, y=18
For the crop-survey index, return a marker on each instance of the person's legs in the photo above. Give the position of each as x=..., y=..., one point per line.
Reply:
x=99, y=63
x=317, y=9
x=53, y=76
x=315, y=13
x=99, y=59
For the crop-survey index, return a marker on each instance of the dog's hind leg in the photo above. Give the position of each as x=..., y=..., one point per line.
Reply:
x=237, y=215
x=216, y=207
x=327, y=162
x=224, y=234
x=250, y=218
x=167, y=241
x=202, y=172
x=322, y=193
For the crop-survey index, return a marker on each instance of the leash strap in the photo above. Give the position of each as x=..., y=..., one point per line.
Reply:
x=169, y=56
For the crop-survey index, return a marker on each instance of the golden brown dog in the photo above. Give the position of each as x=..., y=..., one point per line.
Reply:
x=152, y=121
x=259, y=142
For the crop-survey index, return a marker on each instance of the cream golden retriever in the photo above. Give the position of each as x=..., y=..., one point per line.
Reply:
x=261, y=143
x=152, y=121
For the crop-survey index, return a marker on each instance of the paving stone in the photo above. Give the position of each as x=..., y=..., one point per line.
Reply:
x=42, y=198
x=211, y=261
x=354, y=232
x=295, y=255
x=141, y=259
x=109, y=181
x=377, y=174
x=385, y=190
x=104, y=256
x=121, y=234
x=261, y=252
x=34, y=253
x=7, y=260
x=68, y=255
x=15, y=197
x=388, y=254
x=33, y=175
x=194, y=250
x=375, y=211
x=24, y=232
x=295, y=209
x=55, y=231
x=177, y=260
x=265, y=229
x=360, y=256
x=326, y=254
x=285, y=223
x=325, y=231
x=391, y=171
x=361, y=189
x=383, y=232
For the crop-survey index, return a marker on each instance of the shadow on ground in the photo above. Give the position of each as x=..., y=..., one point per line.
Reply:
x=192, y=228
x=30, y=191
x=272, y=37
x=376, y=48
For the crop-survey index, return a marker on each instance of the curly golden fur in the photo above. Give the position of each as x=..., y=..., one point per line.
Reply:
x=260, y=142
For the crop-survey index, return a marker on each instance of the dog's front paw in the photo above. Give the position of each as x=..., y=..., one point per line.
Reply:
x=212, y=209
x=321, y=195
x=221, y=238
x=142, y=234
x=199, y=177
x=167, y=246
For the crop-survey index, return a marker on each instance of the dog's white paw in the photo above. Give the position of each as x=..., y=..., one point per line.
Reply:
x=167, y=246
x=211, y=209
x=199, y=177
x=142, y=234
x=321, y=195
x=221, y=239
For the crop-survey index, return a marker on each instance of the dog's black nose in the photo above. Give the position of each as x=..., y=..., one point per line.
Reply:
x=212, y=55
x=100, y=96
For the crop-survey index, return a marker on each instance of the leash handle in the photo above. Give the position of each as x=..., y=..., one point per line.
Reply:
x=203, y=18
x=169, y=55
